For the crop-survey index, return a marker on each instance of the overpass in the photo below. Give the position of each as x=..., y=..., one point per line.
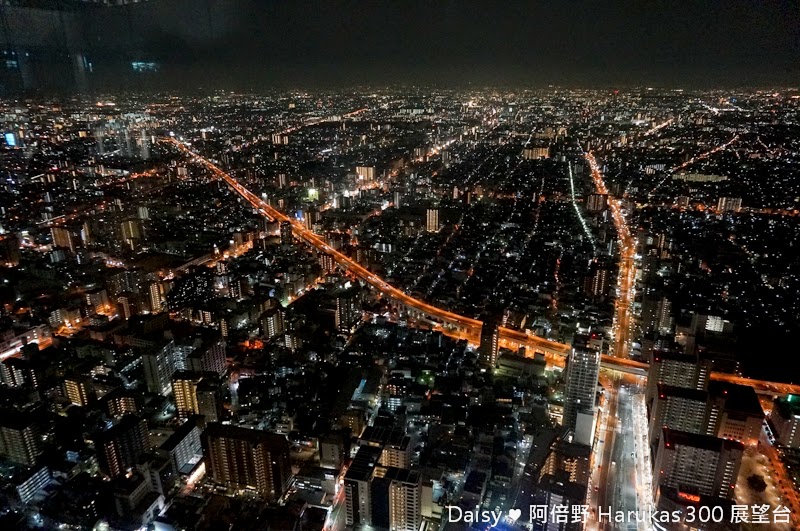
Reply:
x=451, y=323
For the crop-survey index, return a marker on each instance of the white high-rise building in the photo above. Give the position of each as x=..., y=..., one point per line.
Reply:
x=583, y=368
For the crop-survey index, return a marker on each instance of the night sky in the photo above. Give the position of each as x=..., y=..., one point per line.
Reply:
x=589, y=43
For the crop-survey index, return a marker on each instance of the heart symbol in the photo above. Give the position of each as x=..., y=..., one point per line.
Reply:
x=514, y=514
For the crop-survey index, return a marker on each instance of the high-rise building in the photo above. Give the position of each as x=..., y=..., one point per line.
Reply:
x=395, y=495
x=366, y=173
x=183, y=446
x=209, y=399
x=19, y=438
x=310, y=217
x=596, y=284
x=489, y=348
x=432, y=222
x=580, y=393
x=735, y=412
x=17, y=372
x=395, y=444
x=536, y=152
x=197, y=393
x=568, y=460
x=160, y=363
x=184, y=390
x=355, y=420
x=677, y=370
x=331, y=450
x=157, y=299
x=357, y=483
x=242, y=458
x=663, y=318
x=556, y=496
x=120, y=447
x=208, y=355
x=131, y=233
x=327, y=263
x=65, y=238
x=272, y=324
x=120, y=402
x=785, y=418
x=79, y=389
x=286, y=233
x=348, y=307
x=729, y=204
x=596, y=202
x=697, y=464
x=679, y=408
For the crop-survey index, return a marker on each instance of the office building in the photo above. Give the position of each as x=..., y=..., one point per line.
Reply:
x=697, y=464
x=241, y=458
x=120, y=447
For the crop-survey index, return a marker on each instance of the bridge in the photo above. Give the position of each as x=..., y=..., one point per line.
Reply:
x=450, y=323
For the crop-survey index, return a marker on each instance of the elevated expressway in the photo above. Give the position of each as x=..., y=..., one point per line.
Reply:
x=450, y=323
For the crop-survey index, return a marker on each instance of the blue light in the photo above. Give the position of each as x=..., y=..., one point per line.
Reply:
x=11, y=139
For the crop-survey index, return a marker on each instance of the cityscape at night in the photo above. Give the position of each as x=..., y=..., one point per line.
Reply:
x=250, y=280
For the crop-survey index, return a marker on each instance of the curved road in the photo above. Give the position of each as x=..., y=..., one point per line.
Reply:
x=470, y=329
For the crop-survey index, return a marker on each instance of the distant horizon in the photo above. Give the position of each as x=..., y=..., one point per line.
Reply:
x=238, y=44
x=282, y=88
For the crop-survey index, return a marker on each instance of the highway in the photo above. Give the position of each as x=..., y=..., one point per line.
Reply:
x=463, y=327
x=627, y=268
x=472, y=327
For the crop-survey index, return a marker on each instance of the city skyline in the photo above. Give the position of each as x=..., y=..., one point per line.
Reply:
x=401, y=267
